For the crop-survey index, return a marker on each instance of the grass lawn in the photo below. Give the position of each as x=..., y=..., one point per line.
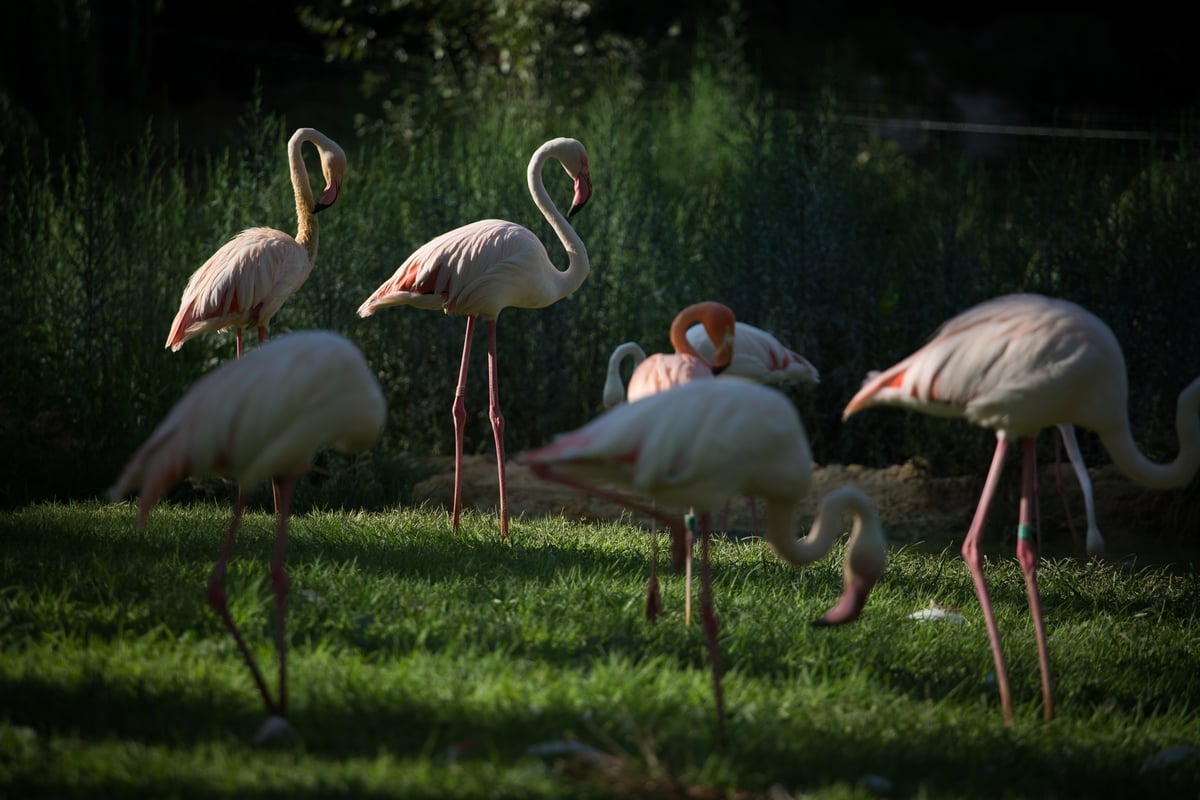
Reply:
x=428, y=664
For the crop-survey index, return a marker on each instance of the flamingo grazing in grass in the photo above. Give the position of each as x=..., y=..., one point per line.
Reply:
x=1018, y=364
x=247, y=281
x=263, y=416
x=697, y=445
x=480, y=269
x=760, y=357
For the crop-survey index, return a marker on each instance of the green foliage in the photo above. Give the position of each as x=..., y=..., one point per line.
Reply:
x=846, y=246
x=429, y=664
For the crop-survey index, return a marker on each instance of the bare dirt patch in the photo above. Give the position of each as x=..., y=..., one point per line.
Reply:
x=916, y=507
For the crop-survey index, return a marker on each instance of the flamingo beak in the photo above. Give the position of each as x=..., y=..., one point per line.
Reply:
x=583, y=191
x=850, y=605
x=329, y=196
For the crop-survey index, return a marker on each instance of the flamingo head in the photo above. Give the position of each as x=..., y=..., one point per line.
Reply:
x=573, y=156
x=333, y=167
x=720, y=324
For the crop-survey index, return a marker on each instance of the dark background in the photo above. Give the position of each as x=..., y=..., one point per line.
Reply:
x=108, y=67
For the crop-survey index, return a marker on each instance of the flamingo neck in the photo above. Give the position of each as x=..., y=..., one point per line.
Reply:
x=712, y=316
x=306, y=219
x=1135, y=466
x=866, y=544
x=578, y=266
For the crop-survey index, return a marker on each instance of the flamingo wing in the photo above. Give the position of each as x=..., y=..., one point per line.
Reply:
x=758, y=356
x=262, y=416
x=1017, y=364
x=477, y=269
x=243, y=284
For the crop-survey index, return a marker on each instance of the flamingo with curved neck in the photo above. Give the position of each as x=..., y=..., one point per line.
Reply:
x=247, y=281
x=695, y=446
x=1017, y=364
x=483, y=267
x=662, y=371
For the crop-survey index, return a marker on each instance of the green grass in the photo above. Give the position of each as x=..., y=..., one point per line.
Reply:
x=427, y=664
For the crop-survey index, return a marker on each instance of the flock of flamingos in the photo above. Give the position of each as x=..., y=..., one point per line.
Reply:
x=678, y=434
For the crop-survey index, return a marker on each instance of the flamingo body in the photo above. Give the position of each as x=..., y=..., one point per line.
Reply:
x=481, y=268
x=1017, y=364
x=662, y=371
x=759, y=356
x=247, y=281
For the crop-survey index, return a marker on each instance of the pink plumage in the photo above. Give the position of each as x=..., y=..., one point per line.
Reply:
x=758, y=356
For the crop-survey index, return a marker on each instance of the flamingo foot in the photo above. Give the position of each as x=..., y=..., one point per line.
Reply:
x=276, y=731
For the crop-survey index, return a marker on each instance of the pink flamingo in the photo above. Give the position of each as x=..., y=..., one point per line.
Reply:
x=484, y=267
x=760, y=357
x=663, y=371
x=700, y=443
x=261, y=417
x=1018, y=364
x=249, y=279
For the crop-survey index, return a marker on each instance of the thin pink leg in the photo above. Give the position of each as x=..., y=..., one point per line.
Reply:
x=280, y=582
x=220, y=603
x=1062, y=488
x=974, y=558
x=709, y=616
x=459, y=411
x=689, y=521
x=497, y=418
x=239, y=342
x=1028, y=557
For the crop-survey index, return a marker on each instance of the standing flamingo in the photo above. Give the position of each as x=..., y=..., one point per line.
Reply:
x=262, y=416
x=249, y=279
x=1018, y=364
x=485, y=267
x=695, y=446
x=760, y=357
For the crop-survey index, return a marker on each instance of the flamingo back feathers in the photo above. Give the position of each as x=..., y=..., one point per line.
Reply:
x=261, y=416
x=243, y=284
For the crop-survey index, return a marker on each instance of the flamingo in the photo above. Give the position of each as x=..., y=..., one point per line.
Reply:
x=486, y=266
x=321, y=394
x=247, y=281
x=760, y=357
x=663, y=371
x=700, y=443
x=1017, y=364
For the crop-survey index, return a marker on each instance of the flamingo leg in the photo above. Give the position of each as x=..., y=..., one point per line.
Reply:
x=220, y=602
x=689, y=524
x=653, y=597
x=459, y=411
x=1095, y=542
x=1028, y=557
x=974, y=558
x=1059, y=440
x=280, y=582
x=497, y=417
x=239, y=341
x=709, y=617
